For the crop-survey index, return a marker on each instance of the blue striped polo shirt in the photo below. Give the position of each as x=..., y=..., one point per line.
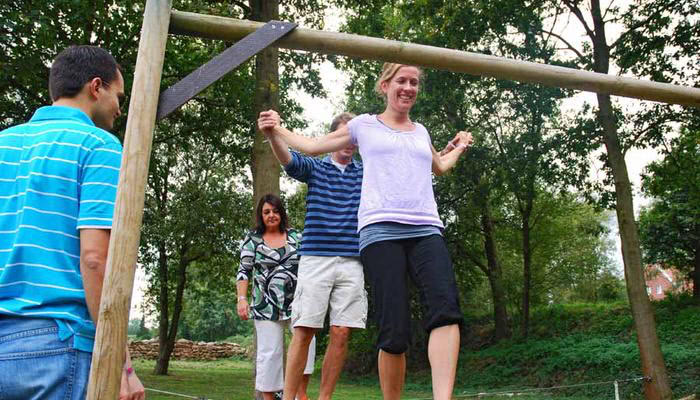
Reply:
x=330, y=227
x=58, y=174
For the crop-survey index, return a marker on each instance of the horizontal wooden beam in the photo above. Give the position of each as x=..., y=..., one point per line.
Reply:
x=438, y=58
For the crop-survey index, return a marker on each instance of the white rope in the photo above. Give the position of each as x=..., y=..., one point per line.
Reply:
x=521, y=392
x=177, y=394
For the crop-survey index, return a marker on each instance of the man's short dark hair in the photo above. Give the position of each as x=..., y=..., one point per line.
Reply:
x=78, y=65
x=342, y=118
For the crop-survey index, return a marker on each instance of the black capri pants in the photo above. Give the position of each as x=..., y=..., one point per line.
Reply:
x=388, y=264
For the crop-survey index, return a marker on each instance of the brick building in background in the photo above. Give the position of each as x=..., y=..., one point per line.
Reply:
x=660, y=282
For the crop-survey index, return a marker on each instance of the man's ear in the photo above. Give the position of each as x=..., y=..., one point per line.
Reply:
x=94, y=86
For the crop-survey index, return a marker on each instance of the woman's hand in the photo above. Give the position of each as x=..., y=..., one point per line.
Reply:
x=267, y=121
x=462, y=139
x=448, y=157
x=242, y=309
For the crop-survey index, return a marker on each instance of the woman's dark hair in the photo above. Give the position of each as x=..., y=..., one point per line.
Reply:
x=274, y=201
x=77, y=65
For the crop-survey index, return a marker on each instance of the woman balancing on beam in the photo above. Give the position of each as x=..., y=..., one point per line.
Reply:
x=400, y=230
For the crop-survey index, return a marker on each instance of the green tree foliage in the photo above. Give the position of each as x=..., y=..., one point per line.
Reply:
x=572, y=250
x=137, y=329
x=211, y=312
x=670, y=228
x=133, y=327
x=32, y=33
x=194, y=216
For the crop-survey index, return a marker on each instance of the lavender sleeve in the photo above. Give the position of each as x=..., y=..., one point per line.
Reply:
x=353, y=125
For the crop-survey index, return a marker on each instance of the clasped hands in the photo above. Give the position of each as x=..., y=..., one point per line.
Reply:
x=268, y=121
x=462, y=139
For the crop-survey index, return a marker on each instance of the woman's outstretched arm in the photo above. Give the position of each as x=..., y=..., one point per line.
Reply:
x=269, y=124
x=447, y=158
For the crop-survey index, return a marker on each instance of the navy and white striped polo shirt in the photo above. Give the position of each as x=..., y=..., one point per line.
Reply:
x=58, y=174
x=330, y=227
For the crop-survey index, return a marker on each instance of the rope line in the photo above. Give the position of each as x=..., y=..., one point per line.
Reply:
x=465, y=395
x=178, y=394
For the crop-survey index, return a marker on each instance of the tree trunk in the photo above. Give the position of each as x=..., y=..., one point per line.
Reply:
x=161, y=367
x=696, y=273
x=658, y=387
x=527, y=271
x=649, y=349
x=495, y=276
x=264, y=166
x=165, y=351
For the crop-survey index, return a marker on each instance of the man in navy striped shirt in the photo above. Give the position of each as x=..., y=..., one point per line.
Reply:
x=58, y=182
x=330, y=275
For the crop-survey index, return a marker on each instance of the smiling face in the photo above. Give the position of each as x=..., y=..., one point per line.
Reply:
x=402, y=88
x=271, y=217
x=346, y=152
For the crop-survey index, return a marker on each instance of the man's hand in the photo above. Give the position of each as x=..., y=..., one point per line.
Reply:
x=267, y=121
x=131, y=387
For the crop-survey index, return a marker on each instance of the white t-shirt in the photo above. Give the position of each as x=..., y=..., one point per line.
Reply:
x=397, y=184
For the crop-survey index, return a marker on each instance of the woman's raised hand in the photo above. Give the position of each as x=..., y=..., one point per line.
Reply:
x=462, y=139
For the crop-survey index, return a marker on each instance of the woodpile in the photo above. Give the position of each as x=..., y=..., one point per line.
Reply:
x=187, y=350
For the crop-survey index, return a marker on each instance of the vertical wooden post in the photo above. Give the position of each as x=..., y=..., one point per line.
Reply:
x=110, y=342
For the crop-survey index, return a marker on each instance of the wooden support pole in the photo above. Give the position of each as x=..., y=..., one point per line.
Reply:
x=439, y=58
x=110, y=342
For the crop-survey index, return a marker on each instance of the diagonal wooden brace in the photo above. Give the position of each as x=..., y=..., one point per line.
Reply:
x=178, y=94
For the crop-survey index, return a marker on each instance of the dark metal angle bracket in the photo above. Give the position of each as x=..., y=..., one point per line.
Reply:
x=175, y=96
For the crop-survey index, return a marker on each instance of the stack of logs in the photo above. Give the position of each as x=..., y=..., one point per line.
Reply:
x=187, y=350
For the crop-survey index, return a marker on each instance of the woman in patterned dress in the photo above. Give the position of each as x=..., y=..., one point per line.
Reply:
x=269, y=257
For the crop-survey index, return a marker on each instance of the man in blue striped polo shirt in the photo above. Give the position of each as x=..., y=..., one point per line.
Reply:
x=330, y=277
x=58, y=182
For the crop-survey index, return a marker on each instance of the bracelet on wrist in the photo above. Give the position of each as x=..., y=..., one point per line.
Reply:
x=242, y=298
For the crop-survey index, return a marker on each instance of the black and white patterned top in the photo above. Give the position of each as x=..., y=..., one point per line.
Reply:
x=274, y=275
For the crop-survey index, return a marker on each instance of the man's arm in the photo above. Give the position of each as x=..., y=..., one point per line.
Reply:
x=94, y=244
x=279, y=149
x=269, y=123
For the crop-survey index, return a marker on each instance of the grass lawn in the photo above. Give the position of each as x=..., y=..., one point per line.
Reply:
x=232, y=380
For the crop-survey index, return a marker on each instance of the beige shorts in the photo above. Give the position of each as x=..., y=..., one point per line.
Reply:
x=330, y=284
